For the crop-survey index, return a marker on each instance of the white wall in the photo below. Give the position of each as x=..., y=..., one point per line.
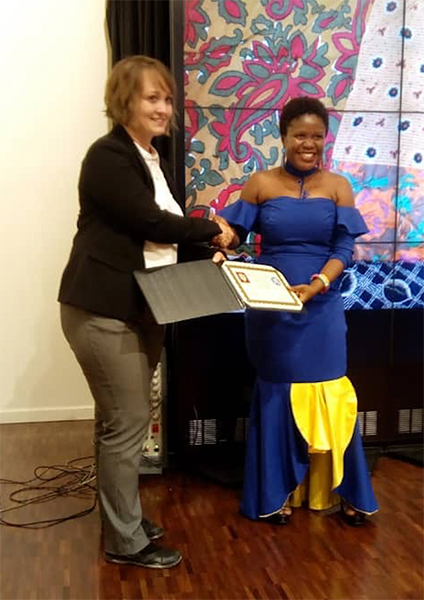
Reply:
x=54, y=61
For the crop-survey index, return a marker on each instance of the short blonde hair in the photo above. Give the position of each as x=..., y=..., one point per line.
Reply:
x=125, y=82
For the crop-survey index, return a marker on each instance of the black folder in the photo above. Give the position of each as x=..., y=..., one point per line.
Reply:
x=201, y=288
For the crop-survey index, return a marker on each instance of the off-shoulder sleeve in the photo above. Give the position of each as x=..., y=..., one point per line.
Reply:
x=350, y=225
x=242, y=216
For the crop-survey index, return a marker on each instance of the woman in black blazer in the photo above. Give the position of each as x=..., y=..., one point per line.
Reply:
x=128, y=220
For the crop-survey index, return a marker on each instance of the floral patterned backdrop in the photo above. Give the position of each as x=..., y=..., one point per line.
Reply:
x=363, y=58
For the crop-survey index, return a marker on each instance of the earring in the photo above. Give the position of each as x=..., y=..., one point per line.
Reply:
x=283, y=157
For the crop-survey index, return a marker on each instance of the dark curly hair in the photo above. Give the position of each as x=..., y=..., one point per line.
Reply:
x=296, y=107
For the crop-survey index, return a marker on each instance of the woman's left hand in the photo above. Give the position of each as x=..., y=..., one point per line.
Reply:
x=304, y=292
x=218, y=257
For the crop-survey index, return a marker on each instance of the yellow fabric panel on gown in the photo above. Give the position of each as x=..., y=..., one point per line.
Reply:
x=325, y=414
x=315, y=489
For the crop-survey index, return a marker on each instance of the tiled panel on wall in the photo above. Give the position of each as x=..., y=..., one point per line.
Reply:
x=262, y=52
x=366, y=154
x=409, y=205
x=363, y=59
x=408, y=276
x=410, y=197
x=374, y=251
x=223, y=146
x=243, y=61
x=413, y=57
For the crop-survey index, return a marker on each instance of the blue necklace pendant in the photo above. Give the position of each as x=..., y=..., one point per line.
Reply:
x=303, y=193
x=301, y=174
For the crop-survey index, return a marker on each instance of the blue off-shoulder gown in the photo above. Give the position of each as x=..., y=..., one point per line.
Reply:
x=294, y=353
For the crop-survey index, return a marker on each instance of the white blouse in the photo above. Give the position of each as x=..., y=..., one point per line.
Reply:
x=159, y=255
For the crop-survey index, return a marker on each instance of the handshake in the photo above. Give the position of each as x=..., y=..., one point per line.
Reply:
x=228, y=238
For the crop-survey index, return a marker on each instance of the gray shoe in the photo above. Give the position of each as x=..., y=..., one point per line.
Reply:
x=152, y=557
x=153, y=531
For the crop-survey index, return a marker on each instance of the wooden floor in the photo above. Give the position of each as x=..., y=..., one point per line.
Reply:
x=225, y=555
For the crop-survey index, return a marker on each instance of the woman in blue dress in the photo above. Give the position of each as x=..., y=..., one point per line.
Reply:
x=304, y=442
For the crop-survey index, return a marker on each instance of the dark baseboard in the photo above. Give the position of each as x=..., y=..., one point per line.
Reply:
x=372, y=454
x=413, y=453
x=227, y=467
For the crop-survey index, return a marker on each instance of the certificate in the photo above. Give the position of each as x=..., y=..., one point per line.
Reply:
x=261, y=286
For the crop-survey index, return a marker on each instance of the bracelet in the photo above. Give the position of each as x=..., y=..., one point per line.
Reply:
x=324, y=280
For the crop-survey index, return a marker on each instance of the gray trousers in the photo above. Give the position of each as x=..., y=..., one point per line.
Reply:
x=118, y=360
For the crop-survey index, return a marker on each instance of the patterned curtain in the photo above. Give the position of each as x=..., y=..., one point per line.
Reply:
x=141, y=27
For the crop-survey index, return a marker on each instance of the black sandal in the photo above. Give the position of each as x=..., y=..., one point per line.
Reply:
x=279, y=518
x=354, y=520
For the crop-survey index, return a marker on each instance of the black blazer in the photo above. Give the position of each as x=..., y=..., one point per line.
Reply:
x=117, y=214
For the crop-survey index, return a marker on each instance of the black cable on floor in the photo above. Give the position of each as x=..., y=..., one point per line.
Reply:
x=73, y=480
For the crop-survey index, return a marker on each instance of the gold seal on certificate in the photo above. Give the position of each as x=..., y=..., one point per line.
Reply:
x=260, y=286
